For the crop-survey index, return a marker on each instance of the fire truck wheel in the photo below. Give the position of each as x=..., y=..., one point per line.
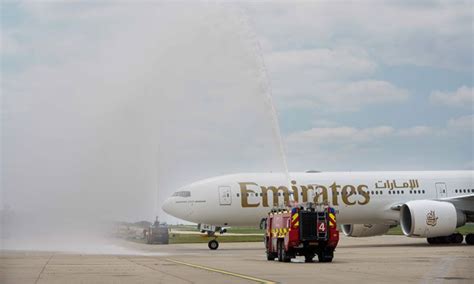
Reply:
x=280, y=250
x=213, y=244
x=284, y=254
x=325, y=255
x=308, y=257
x=271, y=256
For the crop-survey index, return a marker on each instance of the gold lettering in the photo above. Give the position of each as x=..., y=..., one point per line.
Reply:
x=320, y=191
x=244, y=192
x=295, y=191
x=304, y=190
x=321, y=194
x=275, y=191
x=361, y=191
x=334, y=188
x=346, y=194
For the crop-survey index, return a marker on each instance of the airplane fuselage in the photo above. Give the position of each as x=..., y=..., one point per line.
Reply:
x=358, y=197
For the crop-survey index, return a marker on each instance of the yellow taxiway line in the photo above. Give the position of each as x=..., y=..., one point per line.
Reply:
x=223, y=272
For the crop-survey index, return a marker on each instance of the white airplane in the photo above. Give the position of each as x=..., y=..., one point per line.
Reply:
x=428, y=204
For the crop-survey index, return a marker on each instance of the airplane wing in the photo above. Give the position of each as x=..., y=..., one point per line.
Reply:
x=463, y=203
x=461, y=197
x=467, y=200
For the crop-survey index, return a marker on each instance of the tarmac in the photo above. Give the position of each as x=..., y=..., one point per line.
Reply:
x=384, y=259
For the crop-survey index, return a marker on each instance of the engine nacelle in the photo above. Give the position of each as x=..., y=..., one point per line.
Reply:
x=429, y=218
x=364, y=230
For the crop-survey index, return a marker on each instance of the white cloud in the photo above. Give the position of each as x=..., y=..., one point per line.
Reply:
x=321, y=63
x=337, y=96
x=415, y=131
x=342, y=134
x=324, y=123
x=320, y=55
x=106, y=81
x=350, y=147
x=131, y=105
x=330, y=79
x=462, y=123
x=462, y=97
x=436, y=34
x=371, y=92
x=469, y=165
x=9, y=45
x=353, y=136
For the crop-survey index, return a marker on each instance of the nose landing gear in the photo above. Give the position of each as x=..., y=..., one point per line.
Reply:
x=210, y=232
x=213, y=244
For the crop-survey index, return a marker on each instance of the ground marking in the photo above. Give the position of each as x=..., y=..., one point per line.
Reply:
x=42, y=270
x=259, y=280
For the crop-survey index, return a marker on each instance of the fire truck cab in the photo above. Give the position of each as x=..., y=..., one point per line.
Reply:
x=301, y=231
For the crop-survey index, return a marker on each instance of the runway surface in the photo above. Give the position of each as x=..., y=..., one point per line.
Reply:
x=385, y=259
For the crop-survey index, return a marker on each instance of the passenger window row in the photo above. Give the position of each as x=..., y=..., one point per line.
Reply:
x=376, y=192
x=417, y=191
x=256, y=194
x=464, y=191
x=403, y=192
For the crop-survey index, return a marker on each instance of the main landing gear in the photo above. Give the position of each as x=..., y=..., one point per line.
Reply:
x=470, y=239
x=455, y=238
x=210, y=232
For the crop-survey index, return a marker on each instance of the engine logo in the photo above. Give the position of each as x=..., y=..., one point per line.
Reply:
x=431, y=219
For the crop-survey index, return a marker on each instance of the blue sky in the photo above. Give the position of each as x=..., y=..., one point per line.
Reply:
x=354, y=65
x=163, y=95
x=415, y=60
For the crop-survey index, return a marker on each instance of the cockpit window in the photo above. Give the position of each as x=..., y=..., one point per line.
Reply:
x=182, y=193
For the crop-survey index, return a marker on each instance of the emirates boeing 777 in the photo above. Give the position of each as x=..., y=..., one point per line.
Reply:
x=427, y=204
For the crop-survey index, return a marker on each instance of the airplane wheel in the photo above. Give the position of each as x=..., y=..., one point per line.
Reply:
x=470, y=239
x=444, y=240
x=440, y=240
x=456, y=238
x=213, y=244
x=432, y=241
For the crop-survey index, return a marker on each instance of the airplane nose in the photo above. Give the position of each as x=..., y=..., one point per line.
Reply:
x=178, y=205
x=167, y=207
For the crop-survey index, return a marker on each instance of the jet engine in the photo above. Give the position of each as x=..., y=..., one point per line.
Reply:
x=429, y=218
x=364, y=230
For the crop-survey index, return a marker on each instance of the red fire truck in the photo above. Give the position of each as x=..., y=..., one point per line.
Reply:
x=301, y=230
